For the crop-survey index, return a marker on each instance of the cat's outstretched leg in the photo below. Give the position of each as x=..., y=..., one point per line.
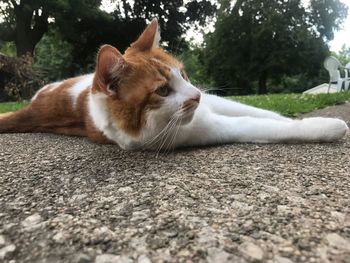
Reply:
x=19, y=121
x=29, y=120
x=227, y=107
x=209, y=128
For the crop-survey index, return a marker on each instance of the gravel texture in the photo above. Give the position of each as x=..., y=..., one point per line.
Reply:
x=64, y=199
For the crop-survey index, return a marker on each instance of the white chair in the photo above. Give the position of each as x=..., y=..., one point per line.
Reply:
x=334, y=66
x=347, y=77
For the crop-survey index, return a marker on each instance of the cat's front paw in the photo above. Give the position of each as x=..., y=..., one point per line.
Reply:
x=339, y=129
x=327, y=129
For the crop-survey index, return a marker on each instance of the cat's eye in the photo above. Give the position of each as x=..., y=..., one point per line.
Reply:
x=163, y=91
x=184, y=75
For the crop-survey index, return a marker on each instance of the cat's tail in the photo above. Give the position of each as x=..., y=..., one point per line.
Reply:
x=18, y=121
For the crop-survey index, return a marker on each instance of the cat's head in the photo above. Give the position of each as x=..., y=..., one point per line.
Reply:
x=145, y=86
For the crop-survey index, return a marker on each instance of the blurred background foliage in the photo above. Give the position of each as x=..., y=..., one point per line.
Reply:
x=254, y=46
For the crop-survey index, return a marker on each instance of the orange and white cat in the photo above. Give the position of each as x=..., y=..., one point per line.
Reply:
x=144, y=100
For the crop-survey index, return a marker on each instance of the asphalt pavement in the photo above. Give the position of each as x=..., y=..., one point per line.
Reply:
x=64, y=199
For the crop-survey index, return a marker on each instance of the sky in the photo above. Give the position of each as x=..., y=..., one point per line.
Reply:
x=342, y=36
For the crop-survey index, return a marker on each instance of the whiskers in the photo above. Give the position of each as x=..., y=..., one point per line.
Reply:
x=218, y=88
x=164, y=141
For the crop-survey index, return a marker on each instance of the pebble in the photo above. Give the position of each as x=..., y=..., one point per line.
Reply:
x=83, y=258
x=32, y=222
x=304, y=244
x=103, y=233
x=184, y=253
x=7, y=250
x=251, y=250
x=286, y=250
x=143, y=259
x=124, y=260
x=279, y=259
x=140, y=216
x=207, y=237
x=340, y=217
x=283, y=209
x=111, y=258
x=107, y=258
x=2, y=240
x=335, y=240
x=9, y=226
x=241, y=206
x=60, y=237
x=125, y=189
x=217, y=255
x=78, y=198
x=322, y=254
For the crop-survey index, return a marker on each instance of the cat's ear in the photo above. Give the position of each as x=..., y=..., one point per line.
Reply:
x=110, y=68
x=150, y=37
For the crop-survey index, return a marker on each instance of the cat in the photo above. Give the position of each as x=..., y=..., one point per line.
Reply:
x=143, y=99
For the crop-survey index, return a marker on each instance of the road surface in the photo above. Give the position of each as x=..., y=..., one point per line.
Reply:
x=64, y=199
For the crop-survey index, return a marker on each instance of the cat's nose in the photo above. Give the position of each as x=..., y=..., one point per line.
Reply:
x=196, y=98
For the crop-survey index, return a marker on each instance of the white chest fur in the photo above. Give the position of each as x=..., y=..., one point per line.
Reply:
x=99, y=112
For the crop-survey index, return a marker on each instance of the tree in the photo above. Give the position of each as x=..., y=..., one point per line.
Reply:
x=193, y=60
x=83, y=25
x=127, y=21
x=258, y=40
x=343, y=55
x=26, y=21
x=175, y=16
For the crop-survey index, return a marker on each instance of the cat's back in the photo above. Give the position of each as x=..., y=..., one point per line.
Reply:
x=71, y=88
x=67, y=97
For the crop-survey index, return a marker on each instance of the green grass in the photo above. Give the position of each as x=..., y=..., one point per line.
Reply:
x=11, y=106
x=287, y=104
x=294, y=104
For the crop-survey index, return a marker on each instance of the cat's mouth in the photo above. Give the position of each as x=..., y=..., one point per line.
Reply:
x=190, y=106
x=187, y=112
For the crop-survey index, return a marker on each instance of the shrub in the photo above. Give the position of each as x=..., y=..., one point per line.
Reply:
x=18, y=79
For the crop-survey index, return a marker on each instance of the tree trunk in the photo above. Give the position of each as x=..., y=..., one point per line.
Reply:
x=262, y=89
x=24, y=45
x=30, y=27
x=244, y=87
